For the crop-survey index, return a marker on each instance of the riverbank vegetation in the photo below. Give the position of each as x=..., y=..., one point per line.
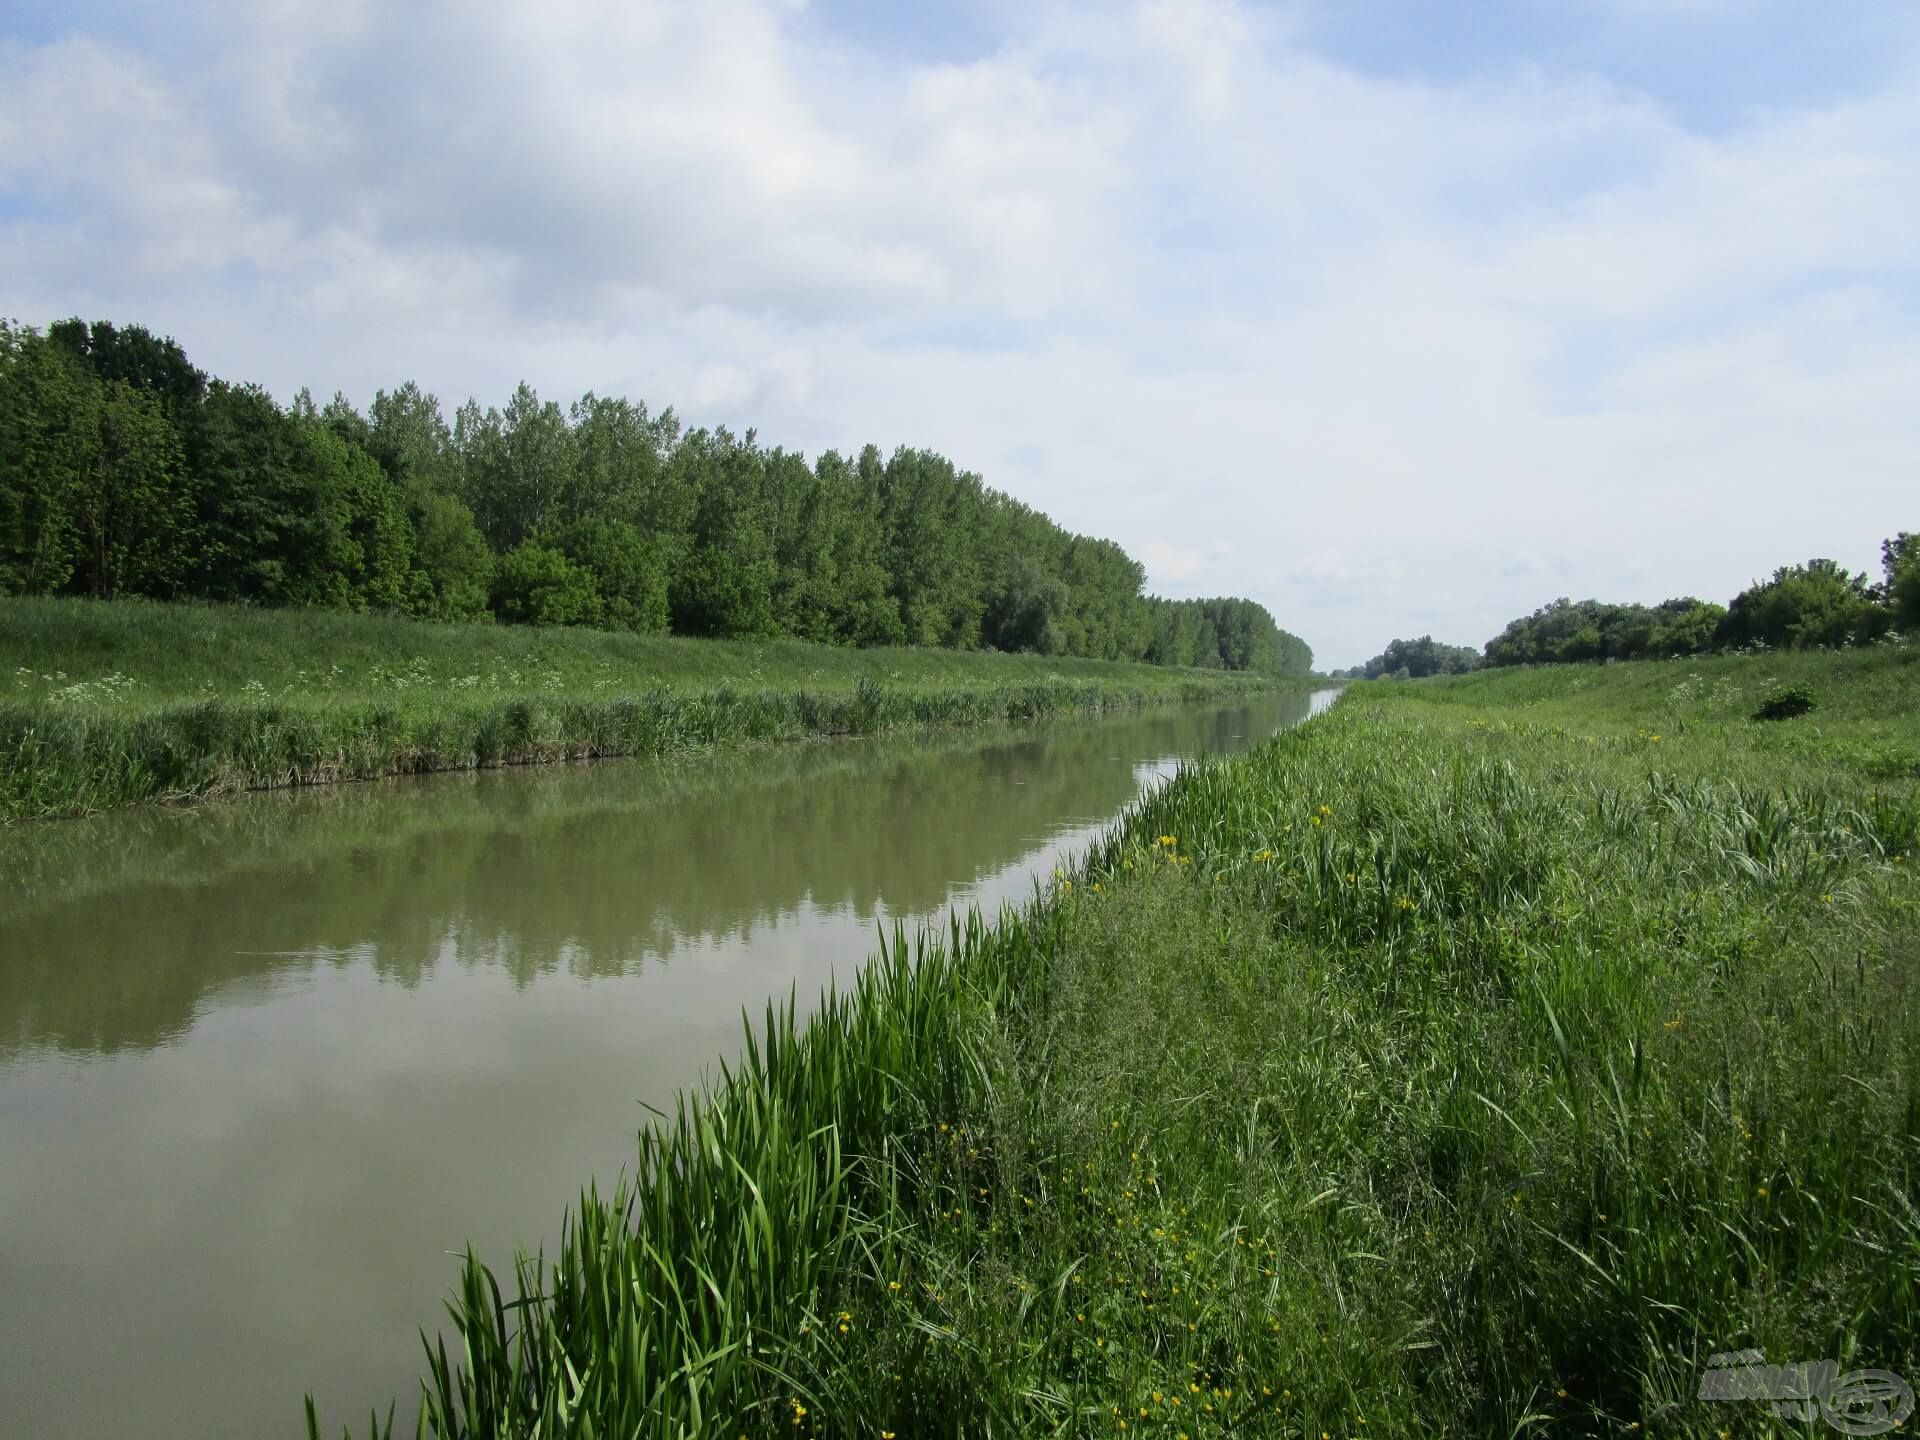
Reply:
x=1478, y=1058
x=125, y=471
x=1818, y=605
x=1417, y=659
x=111, y=703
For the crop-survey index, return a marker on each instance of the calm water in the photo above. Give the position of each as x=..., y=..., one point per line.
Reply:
x=263, y=1064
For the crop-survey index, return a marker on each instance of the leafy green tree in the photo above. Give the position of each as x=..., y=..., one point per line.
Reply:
x=131, y=506
x=408, y=436
x=926, y=507
x=619, y=468
x=725, y=585
x=1818, y=603
x=1025, y=613
x=625, y=568
x=861, y=606
x=453, y=568
x=1102, y=616
x=1685, y=627
x=1900, y=558
x=49, y=427
x=125, y=461
x=516, y=466
x=137, y=357
x=1421, y=658
x=536, y=584
x=378, y=525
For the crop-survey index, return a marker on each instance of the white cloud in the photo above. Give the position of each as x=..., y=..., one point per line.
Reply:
x=1177, y=566
x=1164, y=272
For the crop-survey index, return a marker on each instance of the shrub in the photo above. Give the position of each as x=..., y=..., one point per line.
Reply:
x=1787, y=703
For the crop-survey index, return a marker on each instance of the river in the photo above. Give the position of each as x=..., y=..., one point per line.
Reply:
x=264, y=1063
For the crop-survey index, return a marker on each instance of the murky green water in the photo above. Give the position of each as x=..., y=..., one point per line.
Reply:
x=263, y=1064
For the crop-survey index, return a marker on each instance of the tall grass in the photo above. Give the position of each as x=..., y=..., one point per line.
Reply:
x=1423, y=1073
x=112, y=704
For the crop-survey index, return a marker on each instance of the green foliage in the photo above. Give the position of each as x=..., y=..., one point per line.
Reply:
x=1222, y=634
x=515, y=466
x=536, y=584
x=1901, y=558
x=48, y=432
x=133, y=511
x=725, y=587
x=1818, y=603
x=109, y=703
x=1025, y=614
x=1417, y=659
x=1474, y=1060
x=453, y=571
x=126, y=471
x=1786, y=704
x=624, y=570
x=1567, y=630
x=134, y=357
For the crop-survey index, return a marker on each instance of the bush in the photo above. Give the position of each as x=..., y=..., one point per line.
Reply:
x=1785, y=704
x=537, y=585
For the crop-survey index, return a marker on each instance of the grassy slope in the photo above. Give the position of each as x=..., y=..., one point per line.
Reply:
x=1468, y=1061
x=109, y=704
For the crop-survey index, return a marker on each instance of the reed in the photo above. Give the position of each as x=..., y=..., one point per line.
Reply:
x=113, y=704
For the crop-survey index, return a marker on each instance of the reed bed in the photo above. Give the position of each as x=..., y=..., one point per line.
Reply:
x=1430, y=1071
x=110, y=704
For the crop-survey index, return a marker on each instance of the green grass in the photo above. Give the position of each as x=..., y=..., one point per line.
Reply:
x=1467, y=1061
x=1863, y=724
x=104, y=705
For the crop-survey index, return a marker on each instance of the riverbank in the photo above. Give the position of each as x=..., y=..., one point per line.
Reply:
x=109, y=704
x=1482, y=1056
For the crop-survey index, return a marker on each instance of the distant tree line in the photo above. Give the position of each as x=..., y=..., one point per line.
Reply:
x=1816, y=604
x=1417, y=659
x=126, y=471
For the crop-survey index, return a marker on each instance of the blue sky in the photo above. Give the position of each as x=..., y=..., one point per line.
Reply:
x=1398, y=317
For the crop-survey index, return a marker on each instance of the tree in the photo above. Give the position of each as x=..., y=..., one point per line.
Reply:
x=725, y=585
x=1818, y=603
x=1900, y=558
x=1421, y=658
x=535, y=584
x=410, y=439
x=379, y=529
x=625, y=569
x=49, y=426
x=1685, y=627
x=1025, y=613
x=131, y=504
x=137, y=357
x=516, y=466
x=125, y=469
x=452, y=566
x=862, y=608
x=926, y=509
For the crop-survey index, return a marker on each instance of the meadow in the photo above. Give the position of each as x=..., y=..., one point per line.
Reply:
x=1478, y=1058
x=112, y=703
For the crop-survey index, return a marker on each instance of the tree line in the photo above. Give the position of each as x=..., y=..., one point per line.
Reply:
x=126, y=471
x=1819, y=603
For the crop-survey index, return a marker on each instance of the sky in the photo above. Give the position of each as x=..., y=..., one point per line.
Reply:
x=1400, y=318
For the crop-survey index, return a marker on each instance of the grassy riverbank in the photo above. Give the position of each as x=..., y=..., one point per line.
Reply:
x=111, y=704
x=1477, y=1059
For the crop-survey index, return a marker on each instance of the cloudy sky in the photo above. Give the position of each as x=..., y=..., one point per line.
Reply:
x=1395, y=316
